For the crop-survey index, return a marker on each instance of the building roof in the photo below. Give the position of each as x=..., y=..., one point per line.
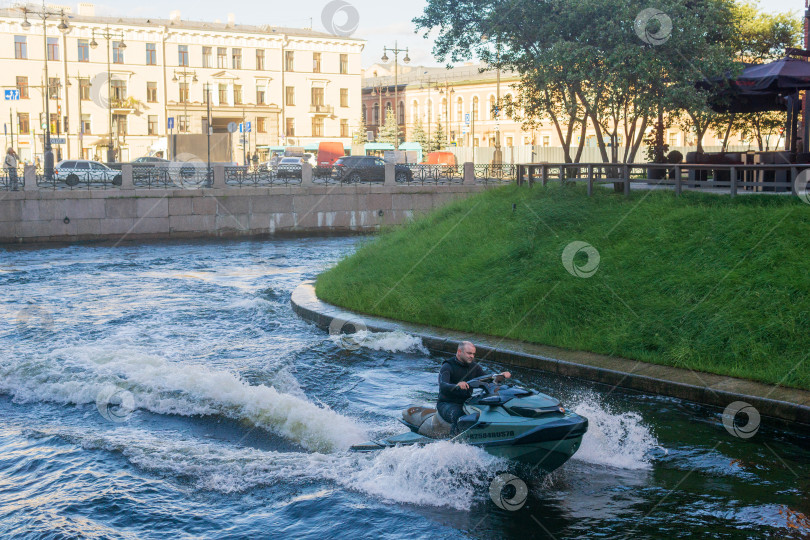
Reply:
x=184, y=24
x=418, y=75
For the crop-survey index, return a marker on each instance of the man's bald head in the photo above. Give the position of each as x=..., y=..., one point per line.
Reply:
x=466, y=352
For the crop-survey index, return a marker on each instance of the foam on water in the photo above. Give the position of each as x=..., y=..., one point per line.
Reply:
x=78, y=375
x=396, y=341
x=439, y=474
x=614, y=439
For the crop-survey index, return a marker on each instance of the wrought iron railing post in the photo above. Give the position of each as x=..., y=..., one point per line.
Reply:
x=626, y=169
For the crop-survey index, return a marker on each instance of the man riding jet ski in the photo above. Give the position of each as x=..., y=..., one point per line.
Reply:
x=506, y=421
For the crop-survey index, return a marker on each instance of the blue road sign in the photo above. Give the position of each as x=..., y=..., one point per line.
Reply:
x=467, y=118
x=247, y=127
x=241, y=128
x=171, y=122
x=12, y=95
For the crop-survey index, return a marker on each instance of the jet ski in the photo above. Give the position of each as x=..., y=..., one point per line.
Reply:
x=505, y=420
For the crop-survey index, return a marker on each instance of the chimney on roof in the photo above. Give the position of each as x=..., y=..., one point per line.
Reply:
x=87, y=9
x=231, y=19
x=174, y=16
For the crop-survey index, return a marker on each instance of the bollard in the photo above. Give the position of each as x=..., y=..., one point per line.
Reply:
x=127, y=181
x=219, y=177
x=306, y=174
x=30, y=178
x=390, y=174
x=469, y=173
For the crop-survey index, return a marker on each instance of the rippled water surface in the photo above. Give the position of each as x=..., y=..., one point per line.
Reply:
x=168, y=391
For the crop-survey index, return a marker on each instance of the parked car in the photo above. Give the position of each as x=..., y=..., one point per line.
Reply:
x=146, y=160
x=73, y=171
x=289, y=167
x=329, y=153
x=358, y=168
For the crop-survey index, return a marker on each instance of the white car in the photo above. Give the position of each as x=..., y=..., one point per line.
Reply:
x=73, y=171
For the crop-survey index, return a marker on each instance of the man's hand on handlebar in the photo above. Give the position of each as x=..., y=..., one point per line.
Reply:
x=463, y=385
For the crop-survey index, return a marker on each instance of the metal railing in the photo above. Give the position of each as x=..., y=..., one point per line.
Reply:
x=255, y=177
x=495, y=174
x=721, y=178
x=76, y=180
x=434, y=174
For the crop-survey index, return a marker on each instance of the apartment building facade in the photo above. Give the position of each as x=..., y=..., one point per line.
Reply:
x=463, y=100
x=130, y=83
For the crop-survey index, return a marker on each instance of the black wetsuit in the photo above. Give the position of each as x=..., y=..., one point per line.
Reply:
x=451, y=398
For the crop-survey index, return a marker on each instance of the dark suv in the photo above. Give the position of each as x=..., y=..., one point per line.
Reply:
x=358, y=168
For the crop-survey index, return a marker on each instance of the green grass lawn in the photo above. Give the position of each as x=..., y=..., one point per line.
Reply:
x=702, y=281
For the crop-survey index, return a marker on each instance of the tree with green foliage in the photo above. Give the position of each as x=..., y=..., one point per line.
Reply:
x=360, y=135
x=419, y=136
x=614, y=66
x=439, y=140
x=390, y=132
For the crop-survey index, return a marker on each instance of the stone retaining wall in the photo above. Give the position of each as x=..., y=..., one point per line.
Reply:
x=36, y=215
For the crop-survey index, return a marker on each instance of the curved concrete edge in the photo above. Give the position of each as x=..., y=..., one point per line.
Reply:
x=713, y=390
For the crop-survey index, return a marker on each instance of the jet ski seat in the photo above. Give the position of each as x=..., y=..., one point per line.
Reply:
x=426, y=421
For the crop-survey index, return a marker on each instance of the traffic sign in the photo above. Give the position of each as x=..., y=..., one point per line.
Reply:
x=467, y=118
x=232, y=127
x=12, y=95
x=247, y=127
x=241, y=127
x=171, y=122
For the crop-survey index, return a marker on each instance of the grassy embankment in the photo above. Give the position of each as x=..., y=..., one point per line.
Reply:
x=702, y=281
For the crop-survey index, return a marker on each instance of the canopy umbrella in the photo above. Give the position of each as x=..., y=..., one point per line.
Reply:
x=773, y=86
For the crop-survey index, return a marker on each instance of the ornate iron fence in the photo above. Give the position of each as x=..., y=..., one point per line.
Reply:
x=259, y=177
x=434, y=174
x=12, y=179
x=495, y=174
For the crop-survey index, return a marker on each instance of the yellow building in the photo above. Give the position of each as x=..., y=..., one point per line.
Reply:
x=294, y=86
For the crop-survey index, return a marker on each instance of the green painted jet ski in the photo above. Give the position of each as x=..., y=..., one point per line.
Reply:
x=506, y=421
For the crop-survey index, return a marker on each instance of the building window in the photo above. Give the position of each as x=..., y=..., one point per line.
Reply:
x=23, y=124
x=22, y=86
x=375, y=114
x=317, y=126
x=54, y=123
x=475, y=108
x=120, y=123
x=260, y=95
x=459, y=109
x=207, y=57
x=152, y=126
x=290, y=127
x=236, y=58
x=316, y=62
x=290, y=95
x=53, y=87
x=344, y=63
x=182, y=55
x=84, y=50
x=20, y=47
x=151, y=54
x=344, y=128
x=492, y=111
x=85, y=126
x=151, y=92
x=223, y=94
x=182, y=123
x=546, y=140
x=364, y=114
x=222, y=57
x=183, y=92
x=119, y=89
x=53, y=48
x=289, y=61
x=261, y=124
x=118, y=52
x=260, y=59
x=317, y=96
x=237, y=94
x=84, y=89
x=344, y=97
x=401, y=112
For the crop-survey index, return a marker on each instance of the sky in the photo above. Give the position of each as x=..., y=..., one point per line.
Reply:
x=380, y=22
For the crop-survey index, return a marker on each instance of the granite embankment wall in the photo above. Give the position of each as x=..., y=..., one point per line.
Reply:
x=126, y=212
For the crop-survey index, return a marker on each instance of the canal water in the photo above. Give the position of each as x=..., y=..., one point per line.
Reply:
x=168, y=391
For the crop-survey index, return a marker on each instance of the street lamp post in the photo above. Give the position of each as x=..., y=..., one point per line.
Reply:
x=407, y=59
x=185, y=74
x=63, y=27
x=108, y=35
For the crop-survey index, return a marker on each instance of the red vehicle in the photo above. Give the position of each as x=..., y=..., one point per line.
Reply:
x=441, y=158
x=329, y=153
